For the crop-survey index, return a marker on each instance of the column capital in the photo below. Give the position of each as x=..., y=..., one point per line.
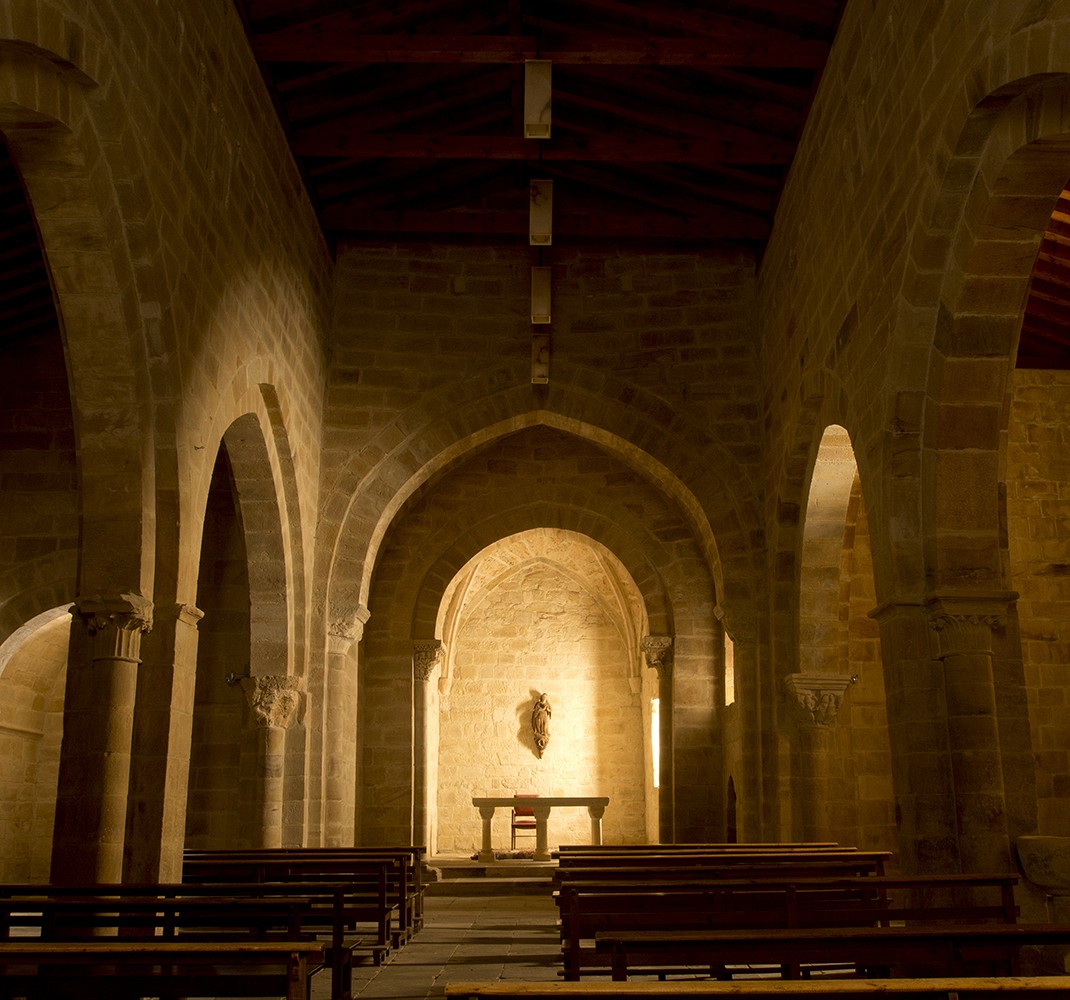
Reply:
x=188, y=614
x=961, y=624
x=815, y=699
x=115, y=623
x=658, y=650
x=426, y=655
x=273, y=698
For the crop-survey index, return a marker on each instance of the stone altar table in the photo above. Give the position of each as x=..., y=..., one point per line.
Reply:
x=541, y=806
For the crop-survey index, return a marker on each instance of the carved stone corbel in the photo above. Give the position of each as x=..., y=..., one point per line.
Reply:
x=347, y=624
x=658, y=650
x=815, y=699
x=273, y=698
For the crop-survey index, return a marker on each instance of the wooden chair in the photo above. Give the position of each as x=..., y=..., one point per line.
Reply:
x=523, y=819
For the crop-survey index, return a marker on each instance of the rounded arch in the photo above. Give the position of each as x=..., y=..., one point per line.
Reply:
x=33, y=662
x=620, y=602
x=363, y=526
x=565, y=483
x=250, y=422
x=1002, y=182
x=51, y=64
x=261, y=505
x=543, y=608
x=541, y=477
x=822, y=627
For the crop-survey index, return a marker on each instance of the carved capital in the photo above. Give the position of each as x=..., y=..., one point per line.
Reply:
x=116, y=624
x=815, y=699
x=426, y=655
x=348, y=623
x=273, y=699
x=658, y=650
x=964, y=625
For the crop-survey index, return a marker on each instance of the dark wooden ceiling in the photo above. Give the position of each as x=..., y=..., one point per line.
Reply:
x=1045, y=337
x=672, y=120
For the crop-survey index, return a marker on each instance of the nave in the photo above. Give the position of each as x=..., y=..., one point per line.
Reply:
x=466, y=939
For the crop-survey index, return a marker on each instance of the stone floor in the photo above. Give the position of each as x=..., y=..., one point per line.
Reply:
x=466, y=938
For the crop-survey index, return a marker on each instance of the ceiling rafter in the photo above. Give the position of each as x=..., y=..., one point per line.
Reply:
x=676, y=116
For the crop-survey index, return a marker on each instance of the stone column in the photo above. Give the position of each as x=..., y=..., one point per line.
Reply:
x=658, y=650
x=94, y=773
x=944, y=732
x=596, y=813
x=344, y=632
x=486, y=816
x=813, y=702
x=163, y=730
x=274, y=701
x=962, y=630
x=750, y=784
x=427, y=654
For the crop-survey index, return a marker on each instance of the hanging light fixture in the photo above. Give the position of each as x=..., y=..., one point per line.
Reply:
x=537, y=73
x=540, y=358
x=541, y=213
x=540, y=295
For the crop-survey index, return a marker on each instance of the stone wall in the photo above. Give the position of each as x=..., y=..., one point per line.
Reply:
x=1038, y=525
x=32, y=675
x=541, y=629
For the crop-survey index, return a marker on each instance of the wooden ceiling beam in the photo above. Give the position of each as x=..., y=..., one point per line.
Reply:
x=357, y=145
x=657, y=19
x=313, y=44
x=588, y=225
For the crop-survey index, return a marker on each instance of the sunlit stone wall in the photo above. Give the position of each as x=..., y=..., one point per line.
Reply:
x=540, y=630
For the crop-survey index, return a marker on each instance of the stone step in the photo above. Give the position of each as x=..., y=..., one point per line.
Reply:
x=496, y=869
x=490, y=887
x=463, y=876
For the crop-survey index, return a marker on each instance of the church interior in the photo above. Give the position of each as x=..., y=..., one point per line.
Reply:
x=373, y=371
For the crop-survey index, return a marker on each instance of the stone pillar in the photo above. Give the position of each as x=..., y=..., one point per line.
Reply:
x=345, y=631
x=427, y=654
x=918, y=739
x=98, y=717
x=944, y=732
x=813, y=702
x=163, y=730
x=658, y=650
x=962, y=630
x=750, y=784
x=274, y=701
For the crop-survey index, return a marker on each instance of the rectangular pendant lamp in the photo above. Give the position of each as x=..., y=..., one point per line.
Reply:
x=537, y=87
x=540, y=295
x=541, y=213
x=540, y=358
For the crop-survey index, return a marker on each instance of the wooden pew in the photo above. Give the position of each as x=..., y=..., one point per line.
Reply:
x=863, y=861
x=409, y=861
x=709, y=870
x=266, y=867
x=723, y=847
x=345, y=919
x=587, y=908
x=917, y=950
x=129, y=969
x=1002, y=988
